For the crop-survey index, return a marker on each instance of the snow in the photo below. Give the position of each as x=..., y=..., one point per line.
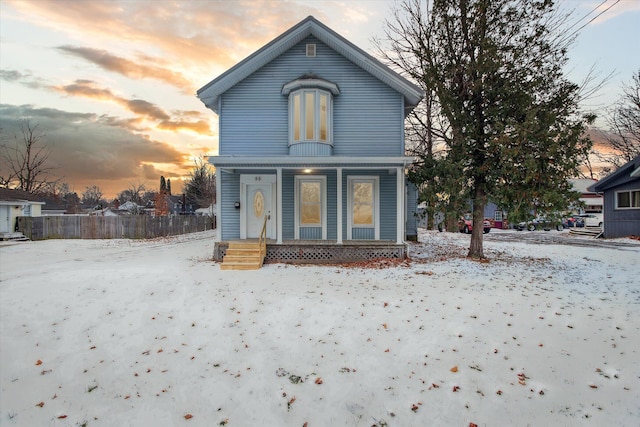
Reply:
x=125, y=332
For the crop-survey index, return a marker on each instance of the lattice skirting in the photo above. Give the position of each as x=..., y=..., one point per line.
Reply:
x=323, y=253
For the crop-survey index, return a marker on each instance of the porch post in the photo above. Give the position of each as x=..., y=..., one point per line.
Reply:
x=400, y=205
x=339, y=205
x=218, y=237
x=279, y=205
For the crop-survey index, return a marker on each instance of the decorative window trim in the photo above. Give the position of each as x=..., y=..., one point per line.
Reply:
x=375, y=180
x=634, y=199
x=299, y=179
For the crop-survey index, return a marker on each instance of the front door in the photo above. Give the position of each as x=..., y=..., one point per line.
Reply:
x=5, y=224
x=258, y=199
x=258, y=205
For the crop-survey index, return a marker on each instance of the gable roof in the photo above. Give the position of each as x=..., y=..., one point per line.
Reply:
x=9, y=195
x=210, y=93
x=626, y=173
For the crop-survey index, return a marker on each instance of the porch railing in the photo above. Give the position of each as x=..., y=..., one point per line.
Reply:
x=262, y=241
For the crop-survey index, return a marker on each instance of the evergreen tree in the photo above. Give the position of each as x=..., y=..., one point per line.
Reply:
x=513, y=130
x=163, y=185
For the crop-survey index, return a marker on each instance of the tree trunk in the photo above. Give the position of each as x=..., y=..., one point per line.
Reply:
x=476, y=250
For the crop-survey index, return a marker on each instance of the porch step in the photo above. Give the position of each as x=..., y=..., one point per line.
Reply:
x=15, y=236
x=594, y=232
x=243, y=256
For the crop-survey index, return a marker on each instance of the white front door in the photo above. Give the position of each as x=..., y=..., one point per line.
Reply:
x=258, y=201
x=258, y=204
x=5, y=223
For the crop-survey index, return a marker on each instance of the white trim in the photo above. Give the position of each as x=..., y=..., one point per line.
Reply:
x=310, y=84
x=298, y=179
x=279, y=205
x=400, y=222
x=218, y=237
x=330, y=161
x=376, y=204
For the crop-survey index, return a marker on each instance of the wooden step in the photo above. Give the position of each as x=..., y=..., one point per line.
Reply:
x=242, y=256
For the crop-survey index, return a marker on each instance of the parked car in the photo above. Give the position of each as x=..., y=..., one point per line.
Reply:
x=465, y=224
x=572, y=221
x=540, y=223
x=592, y=219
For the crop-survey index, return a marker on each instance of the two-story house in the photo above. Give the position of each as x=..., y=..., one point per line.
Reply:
x=311, y=140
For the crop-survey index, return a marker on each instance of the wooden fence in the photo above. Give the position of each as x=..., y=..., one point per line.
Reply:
x=111, y=227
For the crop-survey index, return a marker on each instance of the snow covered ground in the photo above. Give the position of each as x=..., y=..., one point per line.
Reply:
x=152, y=333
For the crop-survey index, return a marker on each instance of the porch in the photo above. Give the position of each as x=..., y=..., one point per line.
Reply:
x=322, y=251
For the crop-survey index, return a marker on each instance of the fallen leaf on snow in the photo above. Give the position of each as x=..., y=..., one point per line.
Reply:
x=41, y=404
x=454, y=369
x=38, y=362
x=188, y=416
x=319, y=380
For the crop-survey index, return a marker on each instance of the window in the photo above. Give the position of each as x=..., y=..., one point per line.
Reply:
x=363, y=210
x=362, y=204
x=310, y=114
x=497, y=215
x=628, y=199
x=310, y=205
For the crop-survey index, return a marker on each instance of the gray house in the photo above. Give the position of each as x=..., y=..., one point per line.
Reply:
x=621, y=191
x=311, y=137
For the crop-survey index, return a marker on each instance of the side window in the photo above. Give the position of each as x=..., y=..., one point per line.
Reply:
x=628, y=199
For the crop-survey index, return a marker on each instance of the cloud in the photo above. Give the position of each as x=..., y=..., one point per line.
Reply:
x=140, y=107
x=138, y=70
x=175, y=42
x=87, y=149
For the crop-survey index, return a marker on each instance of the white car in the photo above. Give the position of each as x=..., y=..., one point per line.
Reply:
x=592, y=219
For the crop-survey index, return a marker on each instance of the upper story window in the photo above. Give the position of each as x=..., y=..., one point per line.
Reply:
x=310, y=115
x=310, y=109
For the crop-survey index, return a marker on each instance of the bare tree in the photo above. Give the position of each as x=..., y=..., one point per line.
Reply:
x=92, y=196
x=134, y=193
x=24, y=163
x=623, y=136
x=200, y=188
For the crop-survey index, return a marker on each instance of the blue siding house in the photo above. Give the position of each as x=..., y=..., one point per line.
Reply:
x=311, y=136
x=621, y=190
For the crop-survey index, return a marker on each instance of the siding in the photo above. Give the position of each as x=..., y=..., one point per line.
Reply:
x=367, y=115
x=230, y=193
x=620, y=222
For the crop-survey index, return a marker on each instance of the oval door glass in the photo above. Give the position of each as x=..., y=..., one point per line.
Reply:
x=258, y=204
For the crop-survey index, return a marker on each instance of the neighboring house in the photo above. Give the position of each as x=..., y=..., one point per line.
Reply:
x=591, y=201
x=15, y=203
x=311, y=136
x=621, y=190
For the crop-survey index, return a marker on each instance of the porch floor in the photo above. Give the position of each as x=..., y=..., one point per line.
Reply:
x=323, y=251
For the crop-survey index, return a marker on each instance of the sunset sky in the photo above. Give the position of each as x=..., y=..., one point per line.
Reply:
x=112, y=83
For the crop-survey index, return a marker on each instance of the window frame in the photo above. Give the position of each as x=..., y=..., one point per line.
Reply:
x=631, y=196
x=375, y=180
x=299, y=180
x=300, y=114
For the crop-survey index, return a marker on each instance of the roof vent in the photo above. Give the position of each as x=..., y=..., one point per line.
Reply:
x=311, y=50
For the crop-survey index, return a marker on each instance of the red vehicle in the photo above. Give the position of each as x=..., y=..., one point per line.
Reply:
x=465, y=224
